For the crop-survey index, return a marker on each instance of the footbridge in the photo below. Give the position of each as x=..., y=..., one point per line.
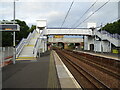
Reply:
x=37, y=41
x=65, y=40
x=67, y=31
x=24, y=50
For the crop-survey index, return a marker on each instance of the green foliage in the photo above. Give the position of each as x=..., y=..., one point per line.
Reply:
x=33, y=27
x=23, y=33
x=112, y=27
x=7, y=37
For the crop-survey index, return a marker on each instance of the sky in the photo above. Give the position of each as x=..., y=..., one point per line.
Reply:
x=54, y=11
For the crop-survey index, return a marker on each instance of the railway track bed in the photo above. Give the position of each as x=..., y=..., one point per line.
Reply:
x=91, y=73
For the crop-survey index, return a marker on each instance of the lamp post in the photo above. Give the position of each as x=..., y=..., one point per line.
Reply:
x=101, y=39
x=14, y=54
x=95, y=40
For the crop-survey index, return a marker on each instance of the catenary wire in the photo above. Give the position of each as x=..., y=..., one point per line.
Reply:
x=67, y=13
x=84, y=13
x=92, y=14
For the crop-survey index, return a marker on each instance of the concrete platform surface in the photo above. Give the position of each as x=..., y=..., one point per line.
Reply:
x=26, y=74
x=66, y=79
x=48, y=71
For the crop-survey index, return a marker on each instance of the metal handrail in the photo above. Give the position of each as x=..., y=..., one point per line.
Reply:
x=24, y=42
x=115, y=36
x=35, y=50
x=36, y=47
x=29, y=37
x=20, y=46
x=113, y=40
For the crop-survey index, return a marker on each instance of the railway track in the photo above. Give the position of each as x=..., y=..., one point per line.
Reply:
x=89, y=74
x=111, y=70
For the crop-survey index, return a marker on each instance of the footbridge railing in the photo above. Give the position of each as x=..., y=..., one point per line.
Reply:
x=36, y=47
x=38, y=43
x=113, y=38
x=24, y=42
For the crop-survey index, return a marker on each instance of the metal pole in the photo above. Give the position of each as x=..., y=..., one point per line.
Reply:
x=14, y=11
x=83, y=47
x=14, y=54
x=101, y=40
x=95, y=40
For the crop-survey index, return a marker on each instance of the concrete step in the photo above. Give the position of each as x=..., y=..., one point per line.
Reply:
x=28, y=49
x=26, y=53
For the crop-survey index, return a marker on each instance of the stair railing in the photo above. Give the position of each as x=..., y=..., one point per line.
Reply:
x=20, y=46
x=116, y=36
x=37, y=44
x=24, y=42
x=113, y=38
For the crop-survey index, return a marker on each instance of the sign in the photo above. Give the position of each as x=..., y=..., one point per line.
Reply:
x=58, y=36
x=9, y=27
x=115, y=51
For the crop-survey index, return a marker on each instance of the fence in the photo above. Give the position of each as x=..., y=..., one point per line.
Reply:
x=7, y=52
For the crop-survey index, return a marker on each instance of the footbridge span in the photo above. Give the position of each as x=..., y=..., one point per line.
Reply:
x=37, y=42
x=67, y=31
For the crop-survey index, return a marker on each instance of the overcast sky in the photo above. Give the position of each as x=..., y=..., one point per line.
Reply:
x=54, y=11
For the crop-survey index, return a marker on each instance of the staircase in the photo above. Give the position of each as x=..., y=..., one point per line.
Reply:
x=114, y=41
x=27, y=51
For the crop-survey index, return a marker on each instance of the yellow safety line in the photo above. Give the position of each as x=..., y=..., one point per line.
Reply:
x=26, y=58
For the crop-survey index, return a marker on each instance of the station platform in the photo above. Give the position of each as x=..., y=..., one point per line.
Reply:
x=105, y=55
x=48, y=71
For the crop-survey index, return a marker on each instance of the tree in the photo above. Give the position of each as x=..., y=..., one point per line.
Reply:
x=33, y=27
x=112, y=27
x=24, y=31
x=7, y=37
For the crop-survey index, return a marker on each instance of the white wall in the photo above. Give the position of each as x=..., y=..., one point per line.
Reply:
x=90, y=41
x=106, y=46
x=41, y=23
x=86, y=43
x=98, y=45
